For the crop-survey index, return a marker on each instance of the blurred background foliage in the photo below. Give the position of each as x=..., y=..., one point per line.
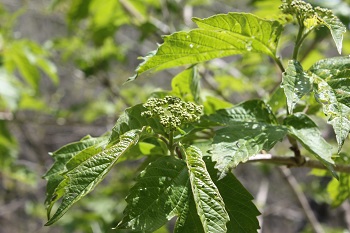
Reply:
x=63, y=65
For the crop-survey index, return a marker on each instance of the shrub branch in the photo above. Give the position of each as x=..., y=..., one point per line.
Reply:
x=292, y=162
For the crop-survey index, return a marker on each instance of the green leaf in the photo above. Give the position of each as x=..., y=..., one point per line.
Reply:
x=54, y=176
x=18, y=57
x=49, y=68
x=67, y=152
x=186, y=85
x=336, y=27
x=277, y=100
x=217, y=36
x=189, y=221
x=306, y=131
x=238, y=201
x=332, y=90
x=160, y=193
x=211, y=104
x=236, y=143
x=209, y=203
x=86, y=171
x=10, y=90
x=249, y=111
x=296, y=83
x=339, y=190
x=132, y=119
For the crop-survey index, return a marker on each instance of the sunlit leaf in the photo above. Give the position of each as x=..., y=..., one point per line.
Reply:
x=332, y=90
x=132, y=119
x=336, y=27
x=296, y=83
x=306, y=131
x=235, y=144
x=211, y=104
x=209, y=203
x=186, y=85
x=217, y=36
x=88, y=170
x=160, y=193
x=248, y=111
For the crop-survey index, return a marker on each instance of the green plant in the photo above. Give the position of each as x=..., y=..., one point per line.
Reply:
x=190, y=143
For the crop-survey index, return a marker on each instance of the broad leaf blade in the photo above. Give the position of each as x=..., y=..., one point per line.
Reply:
x=306, y=131
x=160, y=193
x=295, y=83
x=249, y=111
x=186, y=85
x=336, y=27
x=332, y=90
x=54, y=175
x=189, y=221
x=235, y=144
x=83, y=177
x=218, y=36
x=209, y=204
x=238, y=202
x=132, y=119
x=65, y=153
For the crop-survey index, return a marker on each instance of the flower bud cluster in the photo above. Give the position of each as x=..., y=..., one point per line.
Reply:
x=298, y=8
x=172, y=111
x=303, y=10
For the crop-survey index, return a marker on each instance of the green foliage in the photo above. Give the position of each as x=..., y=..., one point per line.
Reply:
x=217, y=36
x=305, y=130
x=295, y=83
x=190, y=141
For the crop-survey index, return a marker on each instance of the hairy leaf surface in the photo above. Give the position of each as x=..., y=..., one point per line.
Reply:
x=160, y=193
x=306, y=131
x=332, y=90
x=296, y=83
x=209, y=203
x=86, y=171
x=235, y=144
x=217, y=36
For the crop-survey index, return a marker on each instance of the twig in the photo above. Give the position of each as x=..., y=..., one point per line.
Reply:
x=316, y=226
x=291, y=162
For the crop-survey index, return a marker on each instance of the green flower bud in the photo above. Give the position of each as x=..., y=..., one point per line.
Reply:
x=172, y=111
